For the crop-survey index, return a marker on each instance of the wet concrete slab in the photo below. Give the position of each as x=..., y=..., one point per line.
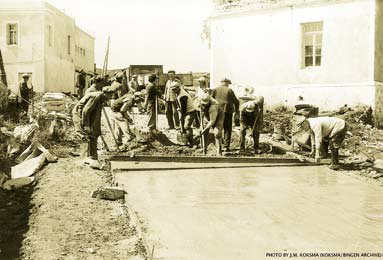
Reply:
x=248, y=212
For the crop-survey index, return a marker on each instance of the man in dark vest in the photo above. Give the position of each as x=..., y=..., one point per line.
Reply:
x=25, y=93
x=150, y=104
x=229, y=103
x=80, y=83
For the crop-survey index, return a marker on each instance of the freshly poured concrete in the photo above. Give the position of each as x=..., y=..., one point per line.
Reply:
x=245, y=213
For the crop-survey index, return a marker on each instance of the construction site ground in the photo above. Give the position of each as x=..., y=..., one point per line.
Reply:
x=58, y=219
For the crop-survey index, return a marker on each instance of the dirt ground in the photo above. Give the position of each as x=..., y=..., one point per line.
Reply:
x=67, y=223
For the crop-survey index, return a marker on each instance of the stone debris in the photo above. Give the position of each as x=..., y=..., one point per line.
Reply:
x=18, y=183
x=28, y=168
x=109, y=193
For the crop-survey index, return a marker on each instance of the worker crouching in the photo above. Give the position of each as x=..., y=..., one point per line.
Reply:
x=212, y=111
x=122, y=120
x=251, y=117
x=187, y=112
x=321, y=128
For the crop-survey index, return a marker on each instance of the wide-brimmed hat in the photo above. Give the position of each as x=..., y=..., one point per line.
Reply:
x=175, y=85
x=226, y=81
x=300, y=119
x=119, y=75
x=202, y=79
x=204, y=99
x=251, y=106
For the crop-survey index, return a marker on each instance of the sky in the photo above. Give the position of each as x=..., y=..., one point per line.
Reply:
x=164, y=32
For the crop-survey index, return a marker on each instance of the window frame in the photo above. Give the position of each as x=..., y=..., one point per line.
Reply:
x=314, y=55
x=7, y=23
x=51, y=35
x=69, y=51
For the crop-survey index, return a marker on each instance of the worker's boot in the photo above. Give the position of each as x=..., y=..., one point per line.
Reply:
x=189, y=137
x=334, y=159
x=256, y=144
x=218, y=143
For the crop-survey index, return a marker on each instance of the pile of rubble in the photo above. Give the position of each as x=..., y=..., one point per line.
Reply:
x=24, y=149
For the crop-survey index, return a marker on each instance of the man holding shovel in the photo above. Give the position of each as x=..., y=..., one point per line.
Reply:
x=214, y=113
x=187, y=112
x=251, y=117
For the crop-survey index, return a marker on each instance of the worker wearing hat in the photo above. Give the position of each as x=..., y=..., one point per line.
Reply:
x=202, y=87
x=133, y=84
x=25, y=93
x=212, y=111
x=134, y=89
x=332, y=128
x=117, y=85
x=98, y=84
x=171, y=103
x=187, y=112
x=150, y=104
x=80, y=83
x=251, y=117
x=229, y=102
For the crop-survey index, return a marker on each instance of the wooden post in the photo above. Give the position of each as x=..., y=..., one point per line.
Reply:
x=202, y=136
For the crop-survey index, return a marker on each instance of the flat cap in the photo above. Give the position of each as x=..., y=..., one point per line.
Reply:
x=202, y=79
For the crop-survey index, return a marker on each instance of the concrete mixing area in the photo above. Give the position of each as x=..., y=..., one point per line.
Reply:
x=251, y=211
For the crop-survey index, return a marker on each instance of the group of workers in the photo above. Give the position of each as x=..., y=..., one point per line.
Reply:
x=206, y=109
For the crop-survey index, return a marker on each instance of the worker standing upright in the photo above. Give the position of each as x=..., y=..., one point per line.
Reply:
x=150, y=104
x=25, y=93
x=80, y=83
x=229, y=103
x=171, y=104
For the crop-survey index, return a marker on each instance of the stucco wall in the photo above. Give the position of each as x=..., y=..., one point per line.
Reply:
x=28, y=55
x=263, y=48
x=379, y=41
x=86, y=42
x=59, y=64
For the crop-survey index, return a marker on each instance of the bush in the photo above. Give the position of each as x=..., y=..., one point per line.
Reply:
x=4, y=100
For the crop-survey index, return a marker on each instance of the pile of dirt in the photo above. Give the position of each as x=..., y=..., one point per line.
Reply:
x=363, y=137
x=278, y=117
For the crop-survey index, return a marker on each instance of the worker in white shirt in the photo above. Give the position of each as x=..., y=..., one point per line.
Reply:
x=321, y=128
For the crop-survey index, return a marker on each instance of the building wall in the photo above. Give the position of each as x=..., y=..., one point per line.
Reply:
x=84, y=59
x=28, y=55
x=52, y=67
x=263, y=48
x=379, y=40
x=60, y=66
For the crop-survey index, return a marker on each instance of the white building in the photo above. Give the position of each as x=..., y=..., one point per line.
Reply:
x=328, y=51
x=38, y=39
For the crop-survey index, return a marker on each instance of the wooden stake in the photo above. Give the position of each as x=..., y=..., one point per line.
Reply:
x=110, y=127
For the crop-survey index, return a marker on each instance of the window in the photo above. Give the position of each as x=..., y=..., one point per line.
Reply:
x=12, y=34
x=312, y=44
x=69, y=44
x=50, y=36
